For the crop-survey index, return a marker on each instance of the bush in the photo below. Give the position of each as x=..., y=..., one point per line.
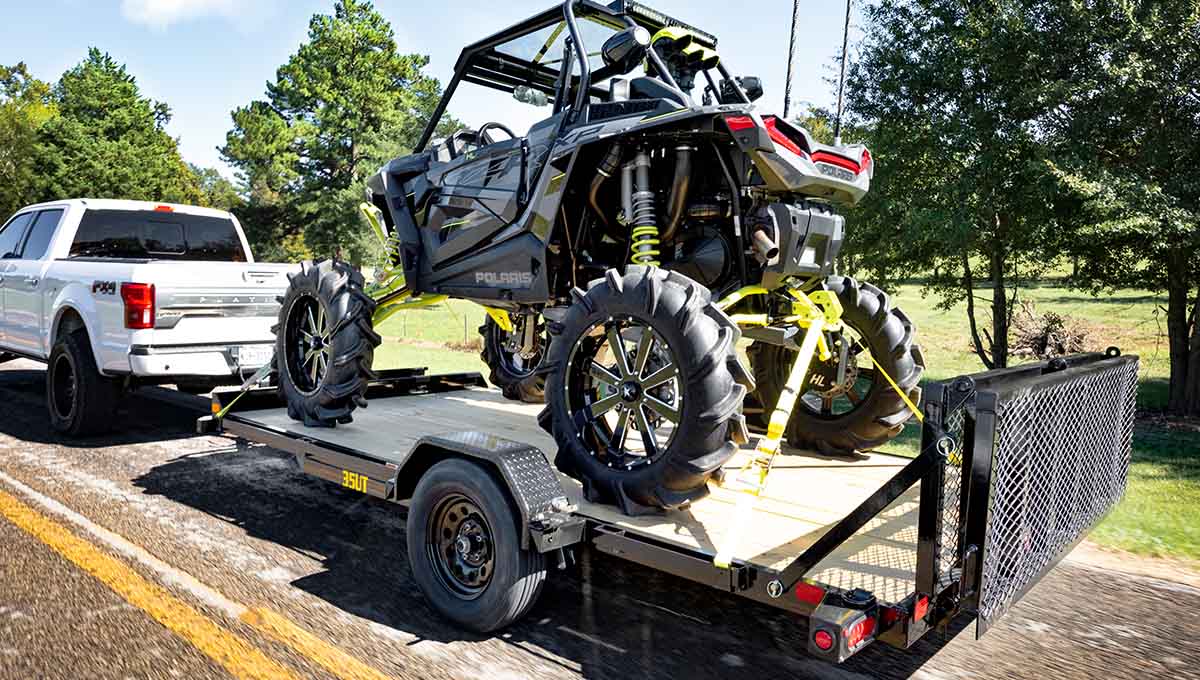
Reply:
x=1047, y=335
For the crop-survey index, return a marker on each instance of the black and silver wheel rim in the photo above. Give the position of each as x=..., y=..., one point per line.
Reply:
x=625, y=393
x=833, y=392
x=308, y=344
x=461, y=546
x=63, y=385
x=506, y=347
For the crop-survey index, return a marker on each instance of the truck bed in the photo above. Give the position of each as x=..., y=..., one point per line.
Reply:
x=807, y=493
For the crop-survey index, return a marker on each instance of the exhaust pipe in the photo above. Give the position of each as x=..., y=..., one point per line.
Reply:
x=679, y=191
x=764, y=245
x=608, y=166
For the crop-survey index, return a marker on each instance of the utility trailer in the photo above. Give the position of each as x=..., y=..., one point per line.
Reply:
x=1014, y=467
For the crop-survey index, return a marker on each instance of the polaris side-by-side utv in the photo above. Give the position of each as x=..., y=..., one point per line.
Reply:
x=622, y=248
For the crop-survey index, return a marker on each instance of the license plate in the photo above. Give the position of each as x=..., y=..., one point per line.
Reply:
x=253, y=356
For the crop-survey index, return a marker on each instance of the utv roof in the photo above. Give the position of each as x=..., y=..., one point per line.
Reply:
x=503, y=61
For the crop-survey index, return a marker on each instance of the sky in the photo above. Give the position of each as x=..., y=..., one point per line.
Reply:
x=204, y=58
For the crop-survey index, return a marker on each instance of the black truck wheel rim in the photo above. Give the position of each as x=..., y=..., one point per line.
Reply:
x=63, y=387
x=308, y=344
x=625, y=393
x=461, y=546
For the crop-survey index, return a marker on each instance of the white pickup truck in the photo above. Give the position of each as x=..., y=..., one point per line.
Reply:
x=117, y=294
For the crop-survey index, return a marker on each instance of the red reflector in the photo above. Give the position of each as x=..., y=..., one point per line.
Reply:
x=921, y=608
x=823, y=640
x=839, y=161
x=164, y=208
x=737, y=123
x=810, y=594
x=781, y=139
x=890, y=615
x=859, y=632
x=139, y=305
x=865, y=161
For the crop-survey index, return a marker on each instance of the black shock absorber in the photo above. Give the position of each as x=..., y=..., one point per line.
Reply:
x=644, y=238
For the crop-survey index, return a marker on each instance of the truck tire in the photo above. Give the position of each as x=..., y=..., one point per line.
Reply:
x=325, y=343
x=464, y=547
x=80, y=400
x=516, y=376
x=646, y=351
x=879, y=414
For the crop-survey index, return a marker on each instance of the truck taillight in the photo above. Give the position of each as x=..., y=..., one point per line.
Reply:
x=139, y=305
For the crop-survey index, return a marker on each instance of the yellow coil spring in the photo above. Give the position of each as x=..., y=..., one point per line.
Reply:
x=644, y=246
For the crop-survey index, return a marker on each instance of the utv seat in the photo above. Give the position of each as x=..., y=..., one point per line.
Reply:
x=653, y=88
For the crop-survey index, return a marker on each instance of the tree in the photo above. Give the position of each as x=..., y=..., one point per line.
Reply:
x=346, y=102
x=1127, y=132
x=952, y=94
x=108, y=141
x=215, y=190
x=25, y=105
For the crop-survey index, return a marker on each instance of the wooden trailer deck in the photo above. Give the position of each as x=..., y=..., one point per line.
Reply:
x=806, y=495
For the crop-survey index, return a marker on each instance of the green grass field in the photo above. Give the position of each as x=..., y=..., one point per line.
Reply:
x=1160, y=515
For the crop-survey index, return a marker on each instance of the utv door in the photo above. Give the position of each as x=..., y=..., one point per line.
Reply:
x=480, y=194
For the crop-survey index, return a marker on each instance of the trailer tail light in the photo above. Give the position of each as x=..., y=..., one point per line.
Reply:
x=139, y=305
x=809, y=593
x=860, y=632
x=782, y=139
x=823, y=639
x=739, y=123
x=921, y=608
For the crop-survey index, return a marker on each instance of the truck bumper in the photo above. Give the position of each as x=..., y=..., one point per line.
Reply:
x=198, y=360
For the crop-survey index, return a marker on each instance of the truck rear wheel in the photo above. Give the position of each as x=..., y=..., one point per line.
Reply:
x=645, y=389
x=858, y=411
x=80, y=400
x=464, y=547
x=325, y=343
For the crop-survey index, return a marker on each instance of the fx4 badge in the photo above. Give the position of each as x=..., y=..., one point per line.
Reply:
x=104, y=287
x=505, y=279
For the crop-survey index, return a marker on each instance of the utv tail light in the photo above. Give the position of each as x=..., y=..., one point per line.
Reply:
x=139, y=305
x=837, y=161
x=865, y=161
x=782, y=139
x=739, y=123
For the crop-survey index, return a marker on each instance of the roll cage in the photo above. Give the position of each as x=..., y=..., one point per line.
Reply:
x=482, y=63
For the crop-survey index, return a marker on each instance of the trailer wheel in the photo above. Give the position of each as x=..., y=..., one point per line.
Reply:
x=325, y=343
x=464, y=546
x=80, y=400
x=515, y=374
x=861, y=411
x=645, y=390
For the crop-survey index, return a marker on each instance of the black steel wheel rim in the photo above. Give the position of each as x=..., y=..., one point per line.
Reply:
x=63, y=387
x=461, y=546
x=625, y=393
x=830, y=397
x=308, y=339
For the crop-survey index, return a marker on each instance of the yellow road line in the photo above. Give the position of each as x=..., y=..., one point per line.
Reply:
x=237, y=656
x=331, y=658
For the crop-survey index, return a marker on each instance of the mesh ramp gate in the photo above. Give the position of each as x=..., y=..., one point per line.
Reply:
x=1037, y=456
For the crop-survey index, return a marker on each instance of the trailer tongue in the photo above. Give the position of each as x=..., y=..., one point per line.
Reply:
x=1014, y=467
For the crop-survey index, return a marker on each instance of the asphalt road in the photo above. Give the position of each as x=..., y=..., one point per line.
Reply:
x=161, y=533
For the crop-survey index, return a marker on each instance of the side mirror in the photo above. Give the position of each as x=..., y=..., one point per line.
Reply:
x=528, y=95
x=625, y=49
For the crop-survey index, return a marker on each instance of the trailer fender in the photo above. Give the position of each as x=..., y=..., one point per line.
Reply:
x=547, y=519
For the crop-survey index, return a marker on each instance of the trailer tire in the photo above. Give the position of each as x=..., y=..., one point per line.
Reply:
x=517, y=383
x=458, y=507
x=881, y=415
x=706, y=395
x=80, y=400
x=341, y=315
